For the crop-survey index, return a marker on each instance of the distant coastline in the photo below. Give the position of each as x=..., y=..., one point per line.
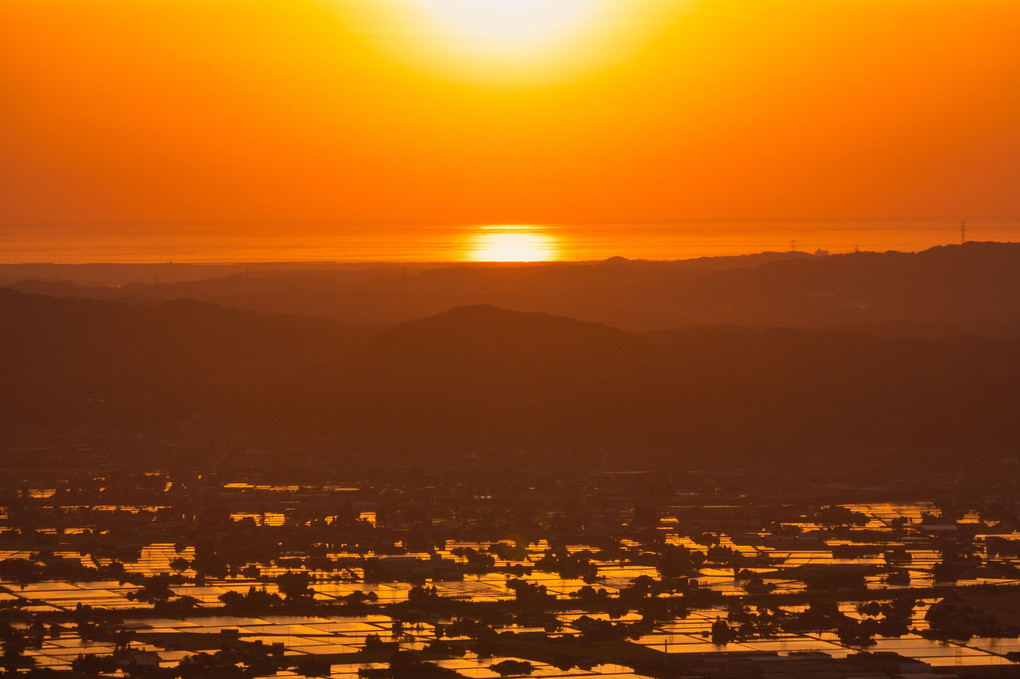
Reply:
x=348, y=243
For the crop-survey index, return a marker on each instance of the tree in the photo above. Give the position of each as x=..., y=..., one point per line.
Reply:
x=294, y=586
x=721, y=633
x=513, y=668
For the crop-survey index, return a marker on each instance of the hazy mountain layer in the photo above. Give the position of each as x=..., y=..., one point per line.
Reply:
x=485, y=378
x=974, y=288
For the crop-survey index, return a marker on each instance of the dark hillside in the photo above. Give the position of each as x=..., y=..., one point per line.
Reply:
x=487, y=379
x=65, y=359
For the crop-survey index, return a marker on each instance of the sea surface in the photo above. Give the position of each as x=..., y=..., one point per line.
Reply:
x=335, y=242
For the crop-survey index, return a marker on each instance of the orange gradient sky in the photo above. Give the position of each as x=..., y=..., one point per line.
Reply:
x=136, y=114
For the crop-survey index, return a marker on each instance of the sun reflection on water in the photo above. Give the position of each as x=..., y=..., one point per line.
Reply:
x=511, y=243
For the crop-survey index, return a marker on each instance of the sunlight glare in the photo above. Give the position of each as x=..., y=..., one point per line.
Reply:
x=511, y=244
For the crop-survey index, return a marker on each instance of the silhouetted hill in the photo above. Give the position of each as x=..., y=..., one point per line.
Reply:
x=75, y=359
x=487, y=379
x=475, y=375
x=973, y=288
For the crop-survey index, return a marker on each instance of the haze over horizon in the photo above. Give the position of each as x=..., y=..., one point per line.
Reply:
x=154, y=130
x=384, y=243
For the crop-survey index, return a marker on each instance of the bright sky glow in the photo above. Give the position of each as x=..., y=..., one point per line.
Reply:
x=195, y=126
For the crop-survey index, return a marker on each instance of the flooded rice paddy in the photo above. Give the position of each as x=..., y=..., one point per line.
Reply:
x=327, y=635
x=469, y=571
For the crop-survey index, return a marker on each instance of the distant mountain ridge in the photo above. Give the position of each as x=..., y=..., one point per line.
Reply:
x=967, y=288
x=481, y=377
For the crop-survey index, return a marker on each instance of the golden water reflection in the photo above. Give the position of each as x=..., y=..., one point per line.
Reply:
x=348, y=243
x=511, y=243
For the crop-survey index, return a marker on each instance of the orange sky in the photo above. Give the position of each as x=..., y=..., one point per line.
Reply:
x=143, y=111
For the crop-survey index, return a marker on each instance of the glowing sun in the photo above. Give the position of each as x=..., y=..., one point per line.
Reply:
x=511, y=22
x=517, y=41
